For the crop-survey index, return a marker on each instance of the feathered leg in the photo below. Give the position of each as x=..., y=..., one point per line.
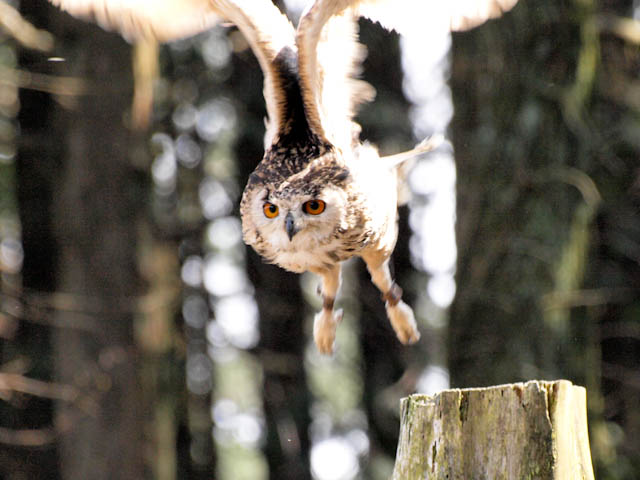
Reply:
x=399, y=313
x=326, y=321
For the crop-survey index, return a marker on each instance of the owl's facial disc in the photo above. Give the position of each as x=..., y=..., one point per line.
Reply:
x=290, y=224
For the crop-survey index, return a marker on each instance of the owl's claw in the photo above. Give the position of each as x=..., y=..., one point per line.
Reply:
x=324, y=329
x=403, y=322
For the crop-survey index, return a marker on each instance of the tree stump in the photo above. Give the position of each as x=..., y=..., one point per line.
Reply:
x=533, y=430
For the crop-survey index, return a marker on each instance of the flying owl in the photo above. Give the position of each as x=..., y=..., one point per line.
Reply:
x=319, y=196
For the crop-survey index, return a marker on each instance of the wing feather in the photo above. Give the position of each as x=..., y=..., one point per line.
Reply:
x=266, y=29
x=163, y=20
x=330, y=56
x=268, y=32
x=326, y=41
x=329, y=62
x=454, y=15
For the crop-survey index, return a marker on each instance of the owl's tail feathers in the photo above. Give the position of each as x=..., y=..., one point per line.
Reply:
x=403, y=322
x=403, y=163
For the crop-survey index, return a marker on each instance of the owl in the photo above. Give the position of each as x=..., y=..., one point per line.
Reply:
x=319, y=196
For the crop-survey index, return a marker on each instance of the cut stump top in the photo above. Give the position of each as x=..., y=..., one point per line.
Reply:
x=532, y=430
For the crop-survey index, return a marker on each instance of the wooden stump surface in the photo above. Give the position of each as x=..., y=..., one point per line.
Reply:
x=533, y=430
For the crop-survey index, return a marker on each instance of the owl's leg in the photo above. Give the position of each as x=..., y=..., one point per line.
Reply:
x=326, y=321
x=399, y=313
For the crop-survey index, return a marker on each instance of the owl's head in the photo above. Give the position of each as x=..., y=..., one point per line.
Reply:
x=294, y=214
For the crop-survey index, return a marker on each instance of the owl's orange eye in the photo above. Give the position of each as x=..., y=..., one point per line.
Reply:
x=270, y=210
x=314, y=207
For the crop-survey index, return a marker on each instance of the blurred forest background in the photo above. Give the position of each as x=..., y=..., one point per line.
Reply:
x=142, y=339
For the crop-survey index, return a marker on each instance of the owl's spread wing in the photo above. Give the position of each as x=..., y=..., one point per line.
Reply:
x=329, y=60
x=266, y=29
x=455, y=15
x=330, y=56
x=162, y=20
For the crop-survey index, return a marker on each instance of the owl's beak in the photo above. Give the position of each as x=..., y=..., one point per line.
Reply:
x=290, y=225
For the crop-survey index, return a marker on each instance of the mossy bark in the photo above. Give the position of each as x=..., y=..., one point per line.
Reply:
x=533, y=430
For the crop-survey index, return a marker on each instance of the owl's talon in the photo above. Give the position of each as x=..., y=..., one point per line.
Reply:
x=324, y=329
x=403, y=322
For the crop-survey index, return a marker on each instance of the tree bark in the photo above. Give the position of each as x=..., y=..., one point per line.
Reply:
x=286, y=396
x=523, y=430
x=37, y=169
x=384, y=358
x=95, y=208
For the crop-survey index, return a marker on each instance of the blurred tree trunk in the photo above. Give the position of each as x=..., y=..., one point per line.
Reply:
x=282, y=342
x=516, y=199
x=281, y=306
x=95, y=197
x=37, y=170
x=605, y=313
x=545, y=134
x=386, y=124
x=186, y=396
